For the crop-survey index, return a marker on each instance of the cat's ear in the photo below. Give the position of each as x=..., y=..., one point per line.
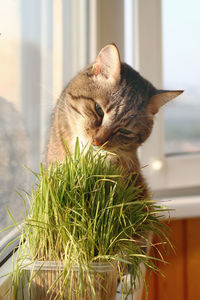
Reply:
x=107, y=65
x=161, y=98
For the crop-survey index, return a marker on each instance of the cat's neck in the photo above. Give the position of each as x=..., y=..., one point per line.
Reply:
x=131, y=165
x=130, y=162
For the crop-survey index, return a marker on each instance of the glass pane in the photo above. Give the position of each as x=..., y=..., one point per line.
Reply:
x=19, y=103
x=181, y=70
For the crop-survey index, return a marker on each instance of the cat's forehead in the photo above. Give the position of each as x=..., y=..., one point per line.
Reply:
x=132, y=91
x=120, y=100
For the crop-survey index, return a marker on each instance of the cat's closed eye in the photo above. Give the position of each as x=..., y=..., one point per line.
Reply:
x=124, y=131
x=99, y=110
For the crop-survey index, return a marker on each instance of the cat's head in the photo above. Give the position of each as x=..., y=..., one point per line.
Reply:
x=112, y=104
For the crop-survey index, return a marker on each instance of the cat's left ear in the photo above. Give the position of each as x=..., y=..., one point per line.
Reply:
x=161, y=98
x=107, y=65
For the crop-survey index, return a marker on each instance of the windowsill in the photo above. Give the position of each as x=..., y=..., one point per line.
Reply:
x=6, y=281
x=182, y=207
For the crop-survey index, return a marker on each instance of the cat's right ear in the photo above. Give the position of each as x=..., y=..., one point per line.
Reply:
x=107, y=65
x=161, y=98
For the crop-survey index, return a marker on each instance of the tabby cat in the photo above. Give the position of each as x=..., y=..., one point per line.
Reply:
x=107, y=103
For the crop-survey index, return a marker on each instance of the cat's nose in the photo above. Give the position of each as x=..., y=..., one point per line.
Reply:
x=102, y=136
x=96, y=142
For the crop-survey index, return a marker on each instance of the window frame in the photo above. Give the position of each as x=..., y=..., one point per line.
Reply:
x=9, y=244
x=176, y=171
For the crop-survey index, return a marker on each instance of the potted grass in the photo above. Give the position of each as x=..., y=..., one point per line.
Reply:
x=87, y=227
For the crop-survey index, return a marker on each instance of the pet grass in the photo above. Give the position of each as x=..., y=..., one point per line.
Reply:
x=84, y=211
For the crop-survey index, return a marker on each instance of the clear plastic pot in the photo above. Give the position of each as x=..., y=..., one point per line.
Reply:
x=48, y=281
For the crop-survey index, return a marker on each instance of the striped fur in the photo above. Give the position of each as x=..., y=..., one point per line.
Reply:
x=115, y=90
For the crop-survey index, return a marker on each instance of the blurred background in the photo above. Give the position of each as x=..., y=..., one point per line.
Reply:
x=43, y=44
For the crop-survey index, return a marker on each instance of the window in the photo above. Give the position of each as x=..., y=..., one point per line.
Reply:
x=181, y=68
x=43, y=45
x=15, y=126
x=164, y=172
